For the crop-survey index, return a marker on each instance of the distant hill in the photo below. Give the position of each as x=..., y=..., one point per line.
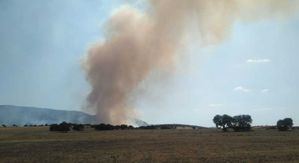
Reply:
x=139, y=122
x=21, y=115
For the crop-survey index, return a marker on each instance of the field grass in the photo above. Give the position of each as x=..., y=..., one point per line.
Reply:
x=37, y=144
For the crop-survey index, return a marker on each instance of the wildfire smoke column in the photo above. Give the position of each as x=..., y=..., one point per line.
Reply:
x=138, y=42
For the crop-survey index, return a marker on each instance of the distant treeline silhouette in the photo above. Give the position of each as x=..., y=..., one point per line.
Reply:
x=237, y=123
x=243, y=123
x=65, y=127
x=103, y=126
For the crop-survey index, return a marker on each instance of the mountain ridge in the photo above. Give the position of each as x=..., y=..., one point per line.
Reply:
x=29, y=115
x=21, y=115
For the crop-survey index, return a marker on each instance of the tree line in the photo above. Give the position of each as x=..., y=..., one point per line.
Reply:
x=225, y=122
x=65, y=127
x=243, y=123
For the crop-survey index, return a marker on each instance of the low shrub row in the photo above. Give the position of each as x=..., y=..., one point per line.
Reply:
x=103, y=126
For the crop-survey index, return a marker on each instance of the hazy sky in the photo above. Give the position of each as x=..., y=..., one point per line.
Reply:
x=254, y=71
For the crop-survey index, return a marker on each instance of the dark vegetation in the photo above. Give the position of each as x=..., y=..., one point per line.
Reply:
x=243, y=123
x=285, y=124
x=65, y=127
x=62, y=127
x=103, y=126
x=78, y=127
x=237, y=123
x=148, y=127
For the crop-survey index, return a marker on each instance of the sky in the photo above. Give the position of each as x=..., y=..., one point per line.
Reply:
x=253, y=71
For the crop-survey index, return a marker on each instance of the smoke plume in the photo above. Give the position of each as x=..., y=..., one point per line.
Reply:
x=138, y=42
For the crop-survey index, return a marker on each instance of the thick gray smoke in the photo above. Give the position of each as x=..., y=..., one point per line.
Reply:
x=138, y=42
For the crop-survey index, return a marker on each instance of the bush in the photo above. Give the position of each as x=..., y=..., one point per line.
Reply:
x=123, y=127
x=103, y=126
x=62, y=127
x=78, y=127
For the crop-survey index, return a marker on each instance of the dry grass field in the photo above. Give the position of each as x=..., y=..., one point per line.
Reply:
x=204, y=145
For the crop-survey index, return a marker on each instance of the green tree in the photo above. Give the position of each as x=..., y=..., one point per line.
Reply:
x=217, y=120
x=224, y=121
x=227, y=122
x=242, y=123
x=285, y=124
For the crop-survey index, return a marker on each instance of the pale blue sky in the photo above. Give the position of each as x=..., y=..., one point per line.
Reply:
x=254, y=71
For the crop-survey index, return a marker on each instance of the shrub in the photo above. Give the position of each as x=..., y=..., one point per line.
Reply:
x=123, y=127
x=62, y=127
x=78, y=127
x=103, y=126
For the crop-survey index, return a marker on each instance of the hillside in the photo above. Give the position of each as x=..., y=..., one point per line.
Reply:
x=21, y=115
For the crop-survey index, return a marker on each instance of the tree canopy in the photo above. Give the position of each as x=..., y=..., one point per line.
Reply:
x=237, y=123
x=285, y=124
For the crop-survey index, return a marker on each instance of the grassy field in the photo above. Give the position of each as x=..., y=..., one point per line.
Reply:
x=39, y=145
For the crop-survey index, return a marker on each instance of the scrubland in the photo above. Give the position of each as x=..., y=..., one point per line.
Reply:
x=37, y=144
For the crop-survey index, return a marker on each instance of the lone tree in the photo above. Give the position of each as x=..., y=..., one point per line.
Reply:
x=285, y=124
x=242, y=123
x=224, y=121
